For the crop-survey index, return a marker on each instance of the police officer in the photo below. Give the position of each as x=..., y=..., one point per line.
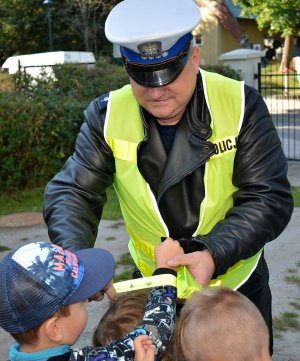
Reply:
x=192, y=155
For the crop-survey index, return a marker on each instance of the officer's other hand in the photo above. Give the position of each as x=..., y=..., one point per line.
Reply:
x=200, y=264
x=167, y=250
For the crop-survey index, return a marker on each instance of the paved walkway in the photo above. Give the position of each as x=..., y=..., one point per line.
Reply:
x=281, y=255
x=21, y=220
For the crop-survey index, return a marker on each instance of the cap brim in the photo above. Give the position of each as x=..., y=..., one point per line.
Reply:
x=99, y=269
x=156, y=75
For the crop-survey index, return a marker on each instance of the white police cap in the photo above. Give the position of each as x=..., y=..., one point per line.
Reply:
x=154, y=36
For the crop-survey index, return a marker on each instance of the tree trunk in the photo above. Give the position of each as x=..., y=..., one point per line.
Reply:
x=284, y=66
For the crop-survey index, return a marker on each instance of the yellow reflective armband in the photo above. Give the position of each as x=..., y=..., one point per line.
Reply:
x=145, y=282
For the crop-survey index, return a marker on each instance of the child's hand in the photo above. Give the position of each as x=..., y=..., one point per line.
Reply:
x=165, y=251
x=144, y=349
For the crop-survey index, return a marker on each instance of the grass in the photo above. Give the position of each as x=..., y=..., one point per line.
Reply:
x=127, y=266
x=295, y=304
x=112, y=207
x=125, y=260
x=273, y=81
x=3, y=248
x=28, y=200
x=293, y=279
x=6, y=82
x=31, y=200
x=286, y=321
x=289, y=320
x=296, y=196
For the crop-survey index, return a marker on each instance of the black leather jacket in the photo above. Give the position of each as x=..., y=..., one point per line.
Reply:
x=263, y=205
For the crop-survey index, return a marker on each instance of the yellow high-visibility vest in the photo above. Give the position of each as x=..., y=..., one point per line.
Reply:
x=124, y=131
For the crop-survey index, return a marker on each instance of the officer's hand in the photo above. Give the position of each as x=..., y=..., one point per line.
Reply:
x=200, y=264
x=167, y=250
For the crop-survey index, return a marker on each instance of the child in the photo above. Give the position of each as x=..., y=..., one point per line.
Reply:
x=144, y=350
x=43, y=297
x=122, y=316
x=222, y=324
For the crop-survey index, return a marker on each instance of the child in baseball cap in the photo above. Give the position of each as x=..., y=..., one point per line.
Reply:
x=44, y=290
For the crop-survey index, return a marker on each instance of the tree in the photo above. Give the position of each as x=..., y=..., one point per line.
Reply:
x=86, y=18
x=76, y=25
x=277, y=16
x=20, y=27
x=24, y=28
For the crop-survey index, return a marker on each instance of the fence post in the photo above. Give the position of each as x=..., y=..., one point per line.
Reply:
x=286, y=81
x=259, y=77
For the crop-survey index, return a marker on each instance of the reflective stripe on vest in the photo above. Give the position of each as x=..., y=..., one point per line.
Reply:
x=124, y=131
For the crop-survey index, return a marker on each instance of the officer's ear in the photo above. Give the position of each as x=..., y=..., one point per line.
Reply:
x=196, y=57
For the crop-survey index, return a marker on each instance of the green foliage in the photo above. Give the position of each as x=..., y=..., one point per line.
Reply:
x=123, y=275
x=39, y=120
x=86, y=20
x=296, y=196
x=223, y=70
x=3, y=248
x=274, y=15
x=112, y=207
x=27, y=200
x=37, y=132
x=125, y=268
x=293, y=279
x=6, y=82
x=289, y=320
x=295, y=304
x=286, y=321
x=31, y=200
x=24, y=26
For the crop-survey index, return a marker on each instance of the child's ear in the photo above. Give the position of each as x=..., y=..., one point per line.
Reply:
x=52, y=329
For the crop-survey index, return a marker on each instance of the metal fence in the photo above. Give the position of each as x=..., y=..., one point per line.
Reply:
x=281, y=92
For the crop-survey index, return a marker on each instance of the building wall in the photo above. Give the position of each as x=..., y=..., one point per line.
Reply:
x=216, y=40
x=209, y=30
x=228, y=42
x=255, y=36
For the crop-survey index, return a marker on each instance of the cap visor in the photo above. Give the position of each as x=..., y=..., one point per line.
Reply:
x=99, y=269
x=156, y=75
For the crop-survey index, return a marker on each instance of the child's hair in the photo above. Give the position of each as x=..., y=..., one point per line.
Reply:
x=31, y=337
x=121, y=317
x=219, y=323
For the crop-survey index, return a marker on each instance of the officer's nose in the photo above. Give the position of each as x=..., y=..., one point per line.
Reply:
x=156, y=93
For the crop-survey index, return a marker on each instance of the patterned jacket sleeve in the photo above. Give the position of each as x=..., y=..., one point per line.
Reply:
x=158, y=323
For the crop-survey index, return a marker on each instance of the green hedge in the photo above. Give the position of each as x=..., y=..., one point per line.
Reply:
x=223, y=70
x=39, y=120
